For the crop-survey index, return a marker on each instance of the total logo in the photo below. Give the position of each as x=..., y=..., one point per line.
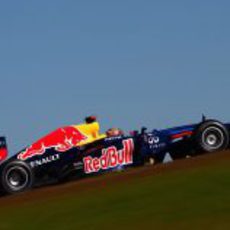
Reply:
x=110, y=158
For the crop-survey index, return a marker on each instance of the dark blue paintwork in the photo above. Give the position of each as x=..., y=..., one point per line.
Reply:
x=154, y=144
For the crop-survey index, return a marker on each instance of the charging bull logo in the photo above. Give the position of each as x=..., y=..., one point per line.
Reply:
x=61, y=140
x=110, y=158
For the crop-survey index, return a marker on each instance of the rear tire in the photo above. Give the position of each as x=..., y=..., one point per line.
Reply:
x=212, y=136
x=16, y=177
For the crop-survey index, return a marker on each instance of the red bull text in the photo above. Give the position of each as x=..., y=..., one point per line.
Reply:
x=61, y=140
x=110, y=158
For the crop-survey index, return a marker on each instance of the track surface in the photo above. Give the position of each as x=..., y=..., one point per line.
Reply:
x=99, y=182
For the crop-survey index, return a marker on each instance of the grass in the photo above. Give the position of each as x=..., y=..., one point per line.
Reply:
x=189, y=199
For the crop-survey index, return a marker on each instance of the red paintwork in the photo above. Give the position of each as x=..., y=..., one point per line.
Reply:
x=3, y=154
x=61, y=140
x=183, y=134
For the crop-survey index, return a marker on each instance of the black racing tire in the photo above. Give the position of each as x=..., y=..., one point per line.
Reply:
x=16, y=177
x=212, y=136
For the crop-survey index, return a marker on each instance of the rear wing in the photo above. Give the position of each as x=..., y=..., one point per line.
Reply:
x=3, y=149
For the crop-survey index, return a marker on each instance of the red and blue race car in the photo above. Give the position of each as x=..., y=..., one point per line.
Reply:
x=81, y=150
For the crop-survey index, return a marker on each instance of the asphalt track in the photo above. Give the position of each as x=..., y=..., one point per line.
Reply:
x=77, y=187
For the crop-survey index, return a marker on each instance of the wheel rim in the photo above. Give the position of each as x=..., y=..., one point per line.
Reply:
x=213, y=138
x=17, y=178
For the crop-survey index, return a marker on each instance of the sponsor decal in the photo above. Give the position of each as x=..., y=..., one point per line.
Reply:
x=45, y=160
x=61, y=140
x=78, y=165
x=113, y=138
x=158, y=146
x=110, y=158
x=153, y=140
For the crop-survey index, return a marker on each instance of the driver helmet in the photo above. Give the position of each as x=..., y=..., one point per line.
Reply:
x=113, y=132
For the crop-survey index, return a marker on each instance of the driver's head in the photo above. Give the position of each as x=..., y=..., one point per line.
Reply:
x=113, y=132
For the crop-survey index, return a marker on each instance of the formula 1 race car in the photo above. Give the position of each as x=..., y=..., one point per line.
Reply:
x=81, y=150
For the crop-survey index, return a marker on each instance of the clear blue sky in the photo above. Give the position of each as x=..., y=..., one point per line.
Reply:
x=132, y=63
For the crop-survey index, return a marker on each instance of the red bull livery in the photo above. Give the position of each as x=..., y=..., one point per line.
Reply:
x=110, y=158
x=81, y=150
x=61, y=140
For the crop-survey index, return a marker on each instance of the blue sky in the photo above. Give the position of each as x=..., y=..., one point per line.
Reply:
x=132, y=63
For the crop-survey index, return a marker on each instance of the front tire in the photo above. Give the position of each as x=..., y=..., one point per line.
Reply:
x=212, y=136
x=16, y=177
